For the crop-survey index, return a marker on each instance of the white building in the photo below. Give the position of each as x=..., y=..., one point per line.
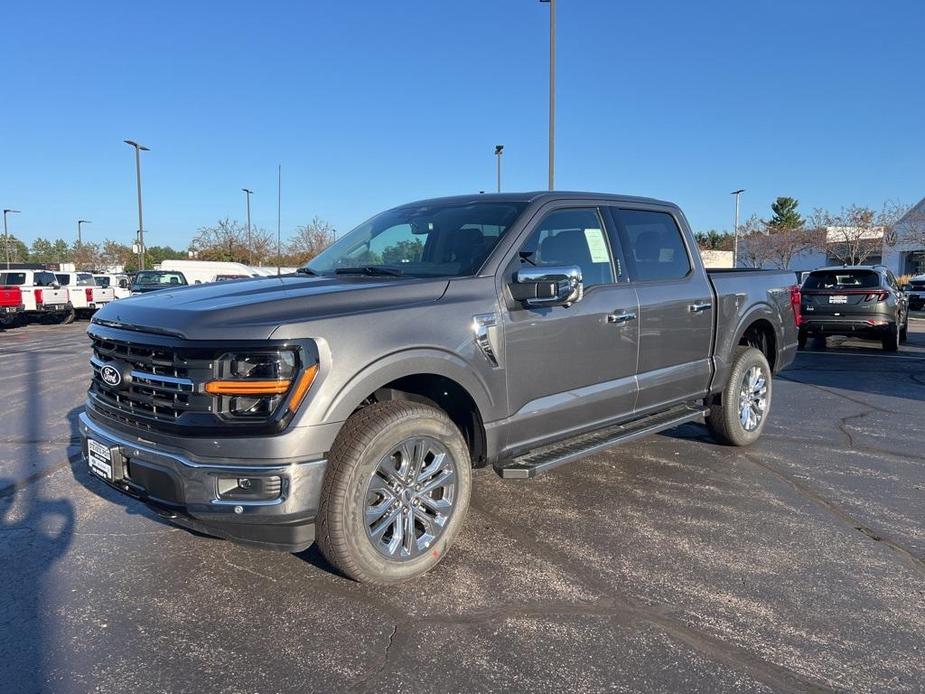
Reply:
x=904, y=257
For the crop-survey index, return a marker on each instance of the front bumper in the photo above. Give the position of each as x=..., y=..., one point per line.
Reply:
x=186, y=490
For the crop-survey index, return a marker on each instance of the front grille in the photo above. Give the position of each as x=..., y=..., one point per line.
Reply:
x=160, y=385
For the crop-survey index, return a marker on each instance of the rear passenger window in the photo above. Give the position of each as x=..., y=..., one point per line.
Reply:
x=653, y=245
x=571, y=237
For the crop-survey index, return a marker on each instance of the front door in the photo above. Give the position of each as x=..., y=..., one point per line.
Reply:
x=571, y=368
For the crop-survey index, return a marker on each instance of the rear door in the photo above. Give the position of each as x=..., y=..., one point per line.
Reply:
x=675, y=307
x=569, y=368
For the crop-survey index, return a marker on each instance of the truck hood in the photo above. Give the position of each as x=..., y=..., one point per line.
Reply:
x=251, y=309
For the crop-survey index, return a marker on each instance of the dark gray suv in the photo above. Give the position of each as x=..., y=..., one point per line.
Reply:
x=862, y=301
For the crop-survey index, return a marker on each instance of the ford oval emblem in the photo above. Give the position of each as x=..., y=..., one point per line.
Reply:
x=111, y=375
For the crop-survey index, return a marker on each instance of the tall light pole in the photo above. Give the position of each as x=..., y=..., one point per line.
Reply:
x=79, y=237
x=735, y=229
x=6, y=235
x=552, y=92
x=279, y=219
x=499, y=150
x=141, y=227
x=247, y=202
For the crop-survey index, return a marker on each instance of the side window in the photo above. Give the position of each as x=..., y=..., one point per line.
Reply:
x=891, y=278
x=571, y=237
x=653, y=245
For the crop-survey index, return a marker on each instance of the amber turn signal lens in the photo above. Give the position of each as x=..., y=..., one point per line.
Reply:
x=248, y=387
x=304, y=383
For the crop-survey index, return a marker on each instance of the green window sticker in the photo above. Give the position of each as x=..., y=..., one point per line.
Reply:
x=597, y=246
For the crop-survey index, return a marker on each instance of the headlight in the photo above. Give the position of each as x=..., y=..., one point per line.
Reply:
x=253, y=385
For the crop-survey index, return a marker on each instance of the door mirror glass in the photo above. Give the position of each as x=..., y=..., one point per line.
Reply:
x=907, y=287
x=548, y=286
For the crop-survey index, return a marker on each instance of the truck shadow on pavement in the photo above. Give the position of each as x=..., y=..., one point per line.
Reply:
x=35, y=532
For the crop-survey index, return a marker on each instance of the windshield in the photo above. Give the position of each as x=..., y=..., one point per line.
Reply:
x=160, y=278
x=843, y=279
x=449, y=240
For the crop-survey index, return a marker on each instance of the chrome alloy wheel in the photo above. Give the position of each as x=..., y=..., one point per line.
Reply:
x=753, y=399
x=410, y=497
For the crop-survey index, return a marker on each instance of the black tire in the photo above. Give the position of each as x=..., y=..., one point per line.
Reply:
x=365, y=441
x=724, y=419
x=891, y=339
x=904, y=332
x=802, y=339
x=65, y=318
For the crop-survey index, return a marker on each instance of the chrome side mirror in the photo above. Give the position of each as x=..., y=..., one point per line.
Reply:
x=548, y=286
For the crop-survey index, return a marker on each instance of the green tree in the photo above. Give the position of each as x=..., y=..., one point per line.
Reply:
x=714, y=240
x=785, y=217
x=157, y=254
x=18, y=251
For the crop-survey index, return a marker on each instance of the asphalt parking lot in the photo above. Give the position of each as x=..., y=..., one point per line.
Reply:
x=671, y=563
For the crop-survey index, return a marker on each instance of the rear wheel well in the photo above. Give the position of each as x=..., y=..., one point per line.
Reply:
x=760, y=335
x=444, y=394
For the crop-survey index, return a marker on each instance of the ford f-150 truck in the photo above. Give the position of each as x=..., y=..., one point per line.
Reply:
x=349, y=403
x=11, y=305
x=42, y=296
x=85, y=294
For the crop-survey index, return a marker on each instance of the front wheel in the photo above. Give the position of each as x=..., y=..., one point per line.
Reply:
x=739, y=418
x=395, y=493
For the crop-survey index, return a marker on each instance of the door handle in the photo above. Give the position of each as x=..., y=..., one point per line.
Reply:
x=621, y=317
x=698, y=308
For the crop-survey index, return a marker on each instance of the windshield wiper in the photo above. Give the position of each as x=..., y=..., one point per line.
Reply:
x=368, y=270
x=305, y=271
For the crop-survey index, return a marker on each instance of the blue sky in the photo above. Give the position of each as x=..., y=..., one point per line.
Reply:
x=369, y=104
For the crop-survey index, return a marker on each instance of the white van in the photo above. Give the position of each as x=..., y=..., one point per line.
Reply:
x=203, y=271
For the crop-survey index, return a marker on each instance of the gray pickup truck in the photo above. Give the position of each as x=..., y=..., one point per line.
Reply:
x=348, y=403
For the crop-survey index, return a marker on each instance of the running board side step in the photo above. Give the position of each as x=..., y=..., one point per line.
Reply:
x=543, y=459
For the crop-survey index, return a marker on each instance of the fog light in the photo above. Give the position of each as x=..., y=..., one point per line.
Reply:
x=250, y=488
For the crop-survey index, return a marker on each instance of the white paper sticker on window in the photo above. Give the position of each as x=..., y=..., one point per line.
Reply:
x=597, y=246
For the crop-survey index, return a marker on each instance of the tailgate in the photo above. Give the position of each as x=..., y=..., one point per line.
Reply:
x=54, y=296
x=101, y=295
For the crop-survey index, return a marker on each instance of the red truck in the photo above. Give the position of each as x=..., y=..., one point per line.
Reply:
x=11, y=306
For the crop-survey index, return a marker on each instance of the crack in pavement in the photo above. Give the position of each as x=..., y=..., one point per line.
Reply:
x=807, y=492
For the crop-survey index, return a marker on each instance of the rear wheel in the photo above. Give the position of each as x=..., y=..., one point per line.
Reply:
x=904, y=331
x=802, y=339
x=890, y=340
x=739, y=418
x=395, y=493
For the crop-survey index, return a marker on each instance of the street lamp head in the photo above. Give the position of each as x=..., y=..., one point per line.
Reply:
x=499, y=149
x=736, y=192
x=10, y=211
x=136, y=145
x=248, y=191
x=84, y=221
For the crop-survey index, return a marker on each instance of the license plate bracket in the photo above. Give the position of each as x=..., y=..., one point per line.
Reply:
x=101, y=460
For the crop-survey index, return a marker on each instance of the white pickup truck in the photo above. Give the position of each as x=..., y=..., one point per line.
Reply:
x=118, y=283
x=42, y=295
x=84, y=293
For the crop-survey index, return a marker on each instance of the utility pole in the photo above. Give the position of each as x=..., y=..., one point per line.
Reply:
x=6, y=235
x=279, y=217
x=499, y=150
x=735, y=229
x=141, y=227
x=247, y=202
x=552, y=92
x=79, y=237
